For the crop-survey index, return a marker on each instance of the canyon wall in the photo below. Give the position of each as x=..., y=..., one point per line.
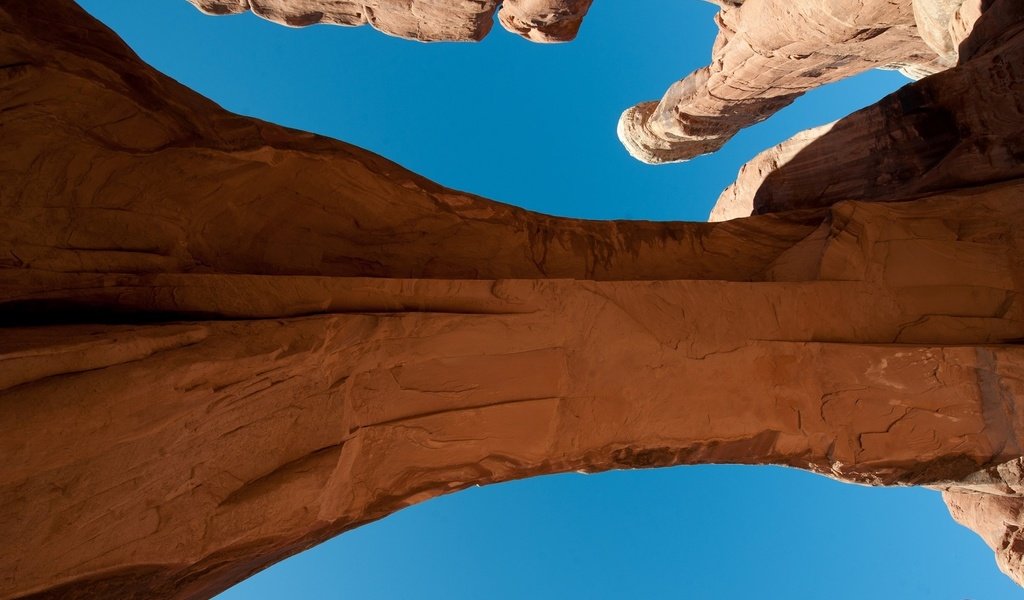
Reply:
x=225, y=341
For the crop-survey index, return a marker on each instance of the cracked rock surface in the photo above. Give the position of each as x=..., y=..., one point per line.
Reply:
x=225, y=341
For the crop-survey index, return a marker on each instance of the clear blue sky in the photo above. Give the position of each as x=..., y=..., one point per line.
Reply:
x=534, y=125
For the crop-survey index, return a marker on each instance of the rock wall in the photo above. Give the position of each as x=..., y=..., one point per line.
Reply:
x=225, y=341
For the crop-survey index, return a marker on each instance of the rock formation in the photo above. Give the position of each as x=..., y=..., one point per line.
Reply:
x=963, y=127
x=225, y=341
x=767, y=54
x=424, y=20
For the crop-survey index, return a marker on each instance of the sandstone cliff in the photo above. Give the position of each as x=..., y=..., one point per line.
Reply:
x=225, y=341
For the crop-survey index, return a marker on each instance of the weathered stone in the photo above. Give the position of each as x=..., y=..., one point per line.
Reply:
x=224, y=341
x=424, y=20
x=999, y=520
x=963, y=127
x=544, y=20
x=767, y=54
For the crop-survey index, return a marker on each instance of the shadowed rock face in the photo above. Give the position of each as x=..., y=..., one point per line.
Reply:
x=225, y=341
x=963, y=127
x=767, y=54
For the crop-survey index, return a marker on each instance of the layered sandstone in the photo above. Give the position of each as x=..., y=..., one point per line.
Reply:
x=225, y=341
x=959, y=128
x=769, y=53
x=423, y=20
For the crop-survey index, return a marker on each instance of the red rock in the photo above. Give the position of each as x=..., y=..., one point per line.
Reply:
x=997, y=519
x=767, y=54
x=544, y=20
x=423, y=20
x=958, y=128
x=225, y=341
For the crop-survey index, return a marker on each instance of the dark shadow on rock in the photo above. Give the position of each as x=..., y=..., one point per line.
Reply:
x=960, y=128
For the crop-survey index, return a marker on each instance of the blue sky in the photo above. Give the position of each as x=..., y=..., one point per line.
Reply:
x=534, y=125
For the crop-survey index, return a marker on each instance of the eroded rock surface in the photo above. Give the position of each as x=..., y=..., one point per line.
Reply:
x=225, y=341
x=767, y=53
x=962, y=127
x=424, y=20
x=998, y=519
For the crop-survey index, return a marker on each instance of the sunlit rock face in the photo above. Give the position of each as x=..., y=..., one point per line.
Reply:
x=767, y=54
x=962, y=127
x=423, y=20
x=992, y=504
x=209, y=363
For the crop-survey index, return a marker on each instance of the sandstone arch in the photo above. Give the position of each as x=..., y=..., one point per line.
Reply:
x=209, y=364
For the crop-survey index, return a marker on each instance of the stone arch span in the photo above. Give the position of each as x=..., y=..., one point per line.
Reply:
x=210, y=362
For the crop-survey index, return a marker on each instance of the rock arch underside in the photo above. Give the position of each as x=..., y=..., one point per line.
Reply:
x=224, y=341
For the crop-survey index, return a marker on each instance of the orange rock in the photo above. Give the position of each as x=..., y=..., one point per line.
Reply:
x=959, y=128
x=423, y=20
x=225, y=341
x=767, y=54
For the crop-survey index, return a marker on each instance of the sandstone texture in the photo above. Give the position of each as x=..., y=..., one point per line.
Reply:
x=423, y=20
x=998, y=520
x=962, y=127
x=224, y=341
x=767, y=53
